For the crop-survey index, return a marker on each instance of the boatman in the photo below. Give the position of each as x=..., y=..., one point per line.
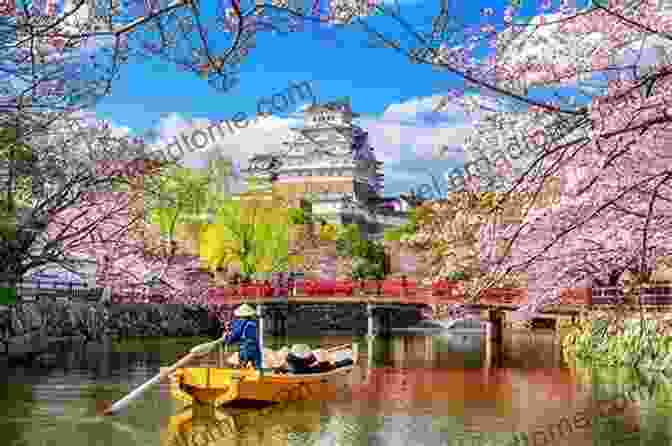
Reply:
x=244, y=330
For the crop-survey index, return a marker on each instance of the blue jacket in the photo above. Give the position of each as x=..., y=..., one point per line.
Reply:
x=237, y=334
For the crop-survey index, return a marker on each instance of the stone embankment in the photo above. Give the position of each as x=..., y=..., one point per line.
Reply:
x=29, y=328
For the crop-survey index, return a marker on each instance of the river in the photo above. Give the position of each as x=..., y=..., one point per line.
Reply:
x=408, y=390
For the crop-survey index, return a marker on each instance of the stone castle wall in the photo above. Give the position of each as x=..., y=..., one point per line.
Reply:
x=30, y=327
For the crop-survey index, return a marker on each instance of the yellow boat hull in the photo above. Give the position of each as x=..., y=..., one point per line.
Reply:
x=217, y=386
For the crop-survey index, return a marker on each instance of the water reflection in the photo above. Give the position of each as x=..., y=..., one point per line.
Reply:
x=16, y=403
x=463, y=342
x=274, y=425
x=408, y=390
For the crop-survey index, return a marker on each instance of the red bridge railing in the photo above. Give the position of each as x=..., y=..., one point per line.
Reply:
x=400, y=290
x=396, y=290
x=409, y=291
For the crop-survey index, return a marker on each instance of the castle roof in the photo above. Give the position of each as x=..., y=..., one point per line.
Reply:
x=340, y=105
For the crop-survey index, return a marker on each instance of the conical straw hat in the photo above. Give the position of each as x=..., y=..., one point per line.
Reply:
x=245, y=310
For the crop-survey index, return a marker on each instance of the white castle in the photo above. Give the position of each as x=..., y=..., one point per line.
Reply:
x=330, y=161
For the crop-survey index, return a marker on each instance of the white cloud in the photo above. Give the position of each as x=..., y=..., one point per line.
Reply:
x=414, y=129
x=408, y=130
x=409, y=108
x=261, y=136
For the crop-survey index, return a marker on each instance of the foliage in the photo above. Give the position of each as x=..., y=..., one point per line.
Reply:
x=176, y=195
x=604, y=144
x=348, y=240
x=19, y=193
x=248, y=233
x=406, y=230
x=456, y=275
x=449, y=238
x=328, y=232
x=394, y=235
x=368, y=255
x=363, y=269
x=489, y=200
x=12, y=148
x=52, y=213
x=297, y=216
x=65, y=60
x=368, y=260
x=644, y=343
x=605, y=137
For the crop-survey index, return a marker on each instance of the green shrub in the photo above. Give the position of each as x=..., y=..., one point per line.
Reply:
x=638, y=344
x=456, y=275
x=297, y=216
x=368, y=257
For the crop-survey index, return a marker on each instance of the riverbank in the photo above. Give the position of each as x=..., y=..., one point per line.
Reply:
x=28, y=328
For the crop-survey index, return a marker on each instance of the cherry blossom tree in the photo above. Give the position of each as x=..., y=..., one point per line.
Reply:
x=46, y=175
x=594, y=84
x=613, y=211
x=110, y=227
x=64, y=54
x=448, y=238
x=594, y=87
x=613, y=216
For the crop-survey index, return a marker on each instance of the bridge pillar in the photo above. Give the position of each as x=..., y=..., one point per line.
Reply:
x=386, y=322
x=496, y=319
x=494, y=354
x=276, y=318
x=369, y=352
x=280, y=327
x=379, y=320
x=370, y=332
x=429, y=349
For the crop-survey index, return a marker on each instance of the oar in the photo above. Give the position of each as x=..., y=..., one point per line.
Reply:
x=195, y=352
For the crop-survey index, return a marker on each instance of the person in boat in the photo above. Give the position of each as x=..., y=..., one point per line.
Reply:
x=301, y=359
x=244, y=330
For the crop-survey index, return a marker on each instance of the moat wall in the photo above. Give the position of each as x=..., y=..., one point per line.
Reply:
x=29, y=328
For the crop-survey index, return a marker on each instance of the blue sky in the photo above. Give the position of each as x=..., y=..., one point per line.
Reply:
x=392, y=95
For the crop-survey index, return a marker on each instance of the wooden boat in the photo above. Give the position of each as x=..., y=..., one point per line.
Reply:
x=216, y=386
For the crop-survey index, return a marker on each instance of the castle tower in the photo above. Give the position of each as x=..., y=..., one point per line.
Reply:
x=327, y=158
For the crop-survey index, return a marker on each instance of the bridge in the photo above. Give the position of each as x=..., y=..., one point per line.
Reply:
x=380, y=299
x=383, y=298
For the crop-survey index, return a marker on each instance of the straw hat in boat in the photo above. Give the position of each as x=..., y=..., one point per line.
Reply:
x=301, y=350
x=245, y=310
